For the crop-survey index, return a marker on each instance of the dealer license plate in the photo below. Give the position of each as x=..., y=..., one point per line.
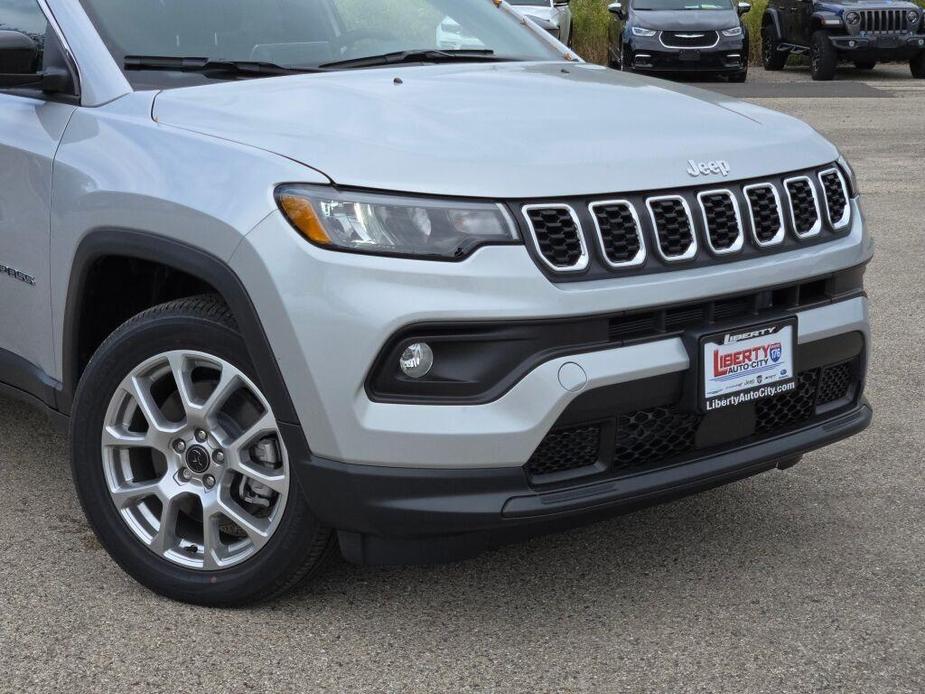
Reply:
x=748, y=364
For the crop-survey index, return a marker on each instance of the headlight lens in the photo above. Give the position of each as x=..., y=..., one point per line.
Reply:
x=852, y=18
x=735, y=31
x=912, y=16
x=640, y=31
x=394, y=225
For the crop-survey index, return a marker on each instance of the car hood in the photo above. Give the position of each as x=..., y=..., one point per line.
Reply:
x=686, y=20
x=512, y=130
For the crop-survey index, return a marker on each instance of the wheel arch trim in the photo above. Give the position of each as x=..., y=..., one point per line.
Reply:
x=184, y=258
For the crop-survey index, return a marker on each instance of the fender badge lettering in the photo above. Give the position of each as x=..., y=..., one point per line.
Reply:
x=17, y=274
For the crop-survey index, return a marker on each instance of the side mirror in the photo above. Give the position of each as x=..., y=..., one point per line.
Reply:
x=562, y=3
x=18, y=65
x=743, y=8
x=616, y=8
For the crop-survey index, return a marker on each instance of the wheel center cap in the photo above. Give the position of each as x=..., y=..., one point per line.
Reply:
x=197, y=459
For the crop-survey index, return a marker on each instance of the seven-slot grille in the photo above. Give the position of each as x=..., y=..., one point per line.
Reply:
x=689, y=39
x=651, y=232
x=766, y=214
x=804, y=207
x=722, y=221
x=671, y=219
x=558, y=237
x=884, y=21
x=836, y=197
x=619, y=233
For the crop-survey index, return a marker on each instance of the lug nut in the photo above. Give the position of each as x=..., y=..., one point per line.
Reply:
x=179, y=445
x=209, y=481
x=185, y=475
x=201, y=435
x=218, y=457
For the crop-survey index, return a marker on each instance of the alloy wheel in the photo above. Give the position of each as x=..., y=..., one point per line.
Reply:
x=194, y=461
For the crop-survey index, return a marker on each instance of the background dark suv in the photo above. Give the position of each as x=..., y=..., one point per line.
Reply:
x=864, y=32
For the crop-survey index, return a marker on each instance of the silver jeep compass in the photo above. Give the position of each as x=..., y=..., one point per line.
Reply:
x=296, y=278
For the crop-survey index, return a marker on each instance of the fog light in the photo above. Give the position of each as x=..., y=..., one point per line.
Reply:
x=852, y=44
x=417, y=360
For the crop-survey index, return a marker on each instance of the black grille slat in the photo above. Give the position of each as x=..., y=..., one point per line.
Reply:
x=673, y=227
x=566, y=449
x=835, y=198
x=803, y=206
x=620, y=235
x=557, y=235
x=765, y=213
x=884, y=21
x=721, y=218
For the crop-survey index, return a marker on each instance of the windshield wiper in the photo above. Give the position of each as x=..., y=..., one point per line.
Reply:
x=249, y=68
x=420, y=56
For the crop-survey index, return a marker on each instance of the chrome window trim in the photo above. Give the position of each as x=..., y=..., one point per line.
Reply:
x=740, y=239
x=690, y=48
x=692, y=250
x=640, y=256
x=781, y=231
x=846, y=215
x=582, y=262
x=817, y=227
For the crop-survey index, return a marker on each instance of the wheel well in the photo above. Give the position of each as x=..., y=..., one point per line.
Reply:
x=117, y=288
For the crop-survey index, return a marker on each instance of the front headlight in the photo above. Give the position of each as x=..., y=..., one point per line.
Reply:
x=912, y=16
x=735, y=31
x=640, y=31
x=394, y=225
x=852, y=18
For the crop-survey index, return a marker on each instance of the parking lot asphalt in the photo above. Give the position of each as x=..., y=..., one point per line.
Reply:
x=804, y=580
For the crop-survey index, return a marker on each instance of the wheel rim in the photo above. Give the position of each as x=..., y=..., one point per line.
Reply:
x=194, y=461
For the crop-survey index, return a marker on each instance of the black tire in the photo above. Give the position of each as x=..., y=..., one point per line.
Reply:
x=917, y=66
x=772, y=58
x=865, y=64
x=740, y=76
x=823, y=58
x=300, y=542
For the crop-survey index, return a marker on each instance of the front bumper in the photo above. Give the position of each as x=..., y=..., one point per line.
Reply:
x=880, y=47
x=400, y=516
x=327, y=316
x=649, y=54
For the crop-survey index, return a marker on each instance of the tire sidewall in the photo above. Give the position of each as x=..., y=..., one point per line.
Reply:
x=125, y=350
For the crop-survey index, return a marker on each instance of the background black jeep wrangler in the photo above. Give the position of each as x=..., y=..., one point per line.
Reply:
x=864, y=32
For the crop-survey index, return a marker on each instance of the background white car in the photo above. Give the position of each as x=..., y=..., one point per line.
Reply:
x=554, y=16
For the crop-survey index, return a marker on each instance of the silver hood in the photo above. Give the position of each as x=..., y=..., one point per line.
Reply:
x=507, y=130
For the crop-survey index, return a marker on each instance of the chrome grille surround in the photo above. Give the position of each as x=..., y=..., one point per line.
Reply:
x=845, y=219
x=817, y=226
x=692, y=249
x=782, y=227
x=884, y=21
x=736, y=246
x=582, y=262
x=640, y=256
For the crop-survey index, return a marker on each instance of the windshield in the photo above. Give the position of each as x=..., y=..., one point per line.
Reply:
x=303, y=33
x=682, y=5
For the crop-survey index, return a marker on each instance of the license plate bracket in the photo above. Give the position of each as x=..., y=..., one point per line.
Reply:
x=744, y=364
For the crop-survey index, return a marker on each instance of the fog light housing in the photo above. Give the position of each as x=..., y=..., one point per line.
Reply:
x=417, y=360
x=852, y=44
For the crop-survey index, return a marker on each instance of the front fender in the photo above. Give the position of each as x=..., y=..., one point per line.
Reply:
x=772, y=21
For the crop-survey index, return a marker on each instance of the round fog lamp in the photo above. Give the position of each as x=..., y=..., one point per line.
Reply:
x=417, y=360
x=852, y=44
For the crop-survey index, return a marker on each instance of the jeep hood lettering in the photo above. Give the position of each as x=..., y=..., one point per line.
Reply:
x=505, y=130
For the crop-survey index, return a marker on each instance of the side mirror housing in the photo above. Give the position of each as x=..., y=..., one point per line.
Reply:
x=616, y=9
x=743, y=8
x=19, y=65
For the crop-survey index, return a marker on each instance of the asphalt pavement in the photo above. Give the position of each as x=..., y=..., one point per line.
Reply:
x=804, y=580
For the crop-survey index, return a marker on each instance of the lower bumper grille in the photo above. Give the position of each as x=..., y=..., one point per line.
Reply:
x=657, y=436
